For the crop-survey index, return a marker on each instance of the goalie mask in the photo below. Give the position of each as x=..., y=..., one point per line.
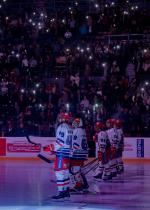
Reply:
x=77, y=123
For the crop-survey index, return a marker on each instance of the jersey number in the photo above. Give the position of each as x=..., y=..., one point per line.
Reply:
x=69, y=140
x=84, y=144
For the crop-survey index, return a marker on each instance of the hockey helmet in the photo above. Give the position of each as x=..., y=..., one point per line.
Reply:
x=64, y=117
x=77, y=123
x=99, y=126
x=118, y=123
x=110, y=123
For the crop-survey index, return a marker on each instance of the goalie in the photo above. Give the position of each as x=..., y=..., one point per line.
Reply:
x=79, y=155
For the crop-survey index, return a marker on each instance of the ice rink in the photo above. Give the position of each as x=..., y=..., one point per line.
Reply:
x=28, y=185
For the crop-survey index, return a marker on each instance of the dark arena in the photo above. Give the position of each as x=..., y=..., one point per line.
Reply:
x=74, y=104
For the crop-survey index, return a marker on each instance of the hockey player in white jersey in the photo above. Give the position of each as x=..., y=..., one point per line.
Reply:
x=101, y=140
x=114, y=141
x=79, y=155
x=62, y=149
x=120, y=166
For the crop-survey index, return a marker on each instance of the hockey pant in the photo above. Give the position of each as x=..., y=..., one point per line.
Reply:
x=78, y=179
x=119, y=159
x=61, y=167
x=113, y=160
x=104, y=167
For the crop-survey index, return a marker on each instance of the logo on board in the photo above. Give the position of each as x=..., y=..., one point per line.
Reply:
x=140, y=148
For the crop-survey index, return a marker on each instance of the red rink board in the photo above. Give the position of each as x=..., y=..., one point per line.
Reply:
x=2, y=147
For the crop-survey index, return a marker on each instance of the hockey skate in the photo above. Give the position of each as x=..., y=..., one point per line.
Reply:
x=113, y=174
x=120, y=169
x=107, y=177
x=64, y=195
x=98, y=176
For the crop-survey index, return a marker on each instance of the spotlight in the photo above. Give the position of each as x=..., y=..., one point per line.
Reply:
x=82, y=50
x=22, y=90
x=146, y=83
x=40, y=106
x=37, y=85
x=96, y=6
x=145, y=50
x=63, y=20
x=103, y=64
x=132, y=8
x=142, y=89
x=118, y=47
x=34, y=92
x=96, y=105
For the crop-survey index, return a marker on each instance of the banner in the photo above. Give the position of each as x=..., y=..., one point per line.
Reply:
x=20, y=147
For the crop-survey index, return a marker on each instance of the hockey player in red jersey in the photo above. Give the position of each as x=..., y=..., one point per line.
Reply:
x=62, y=149
x=79, y=155
x=113, y=139
x=120, y=166
x=103, y=170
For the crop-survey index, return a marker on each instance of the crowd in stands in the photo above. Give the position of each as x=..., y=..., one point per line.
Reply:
x=57, y=63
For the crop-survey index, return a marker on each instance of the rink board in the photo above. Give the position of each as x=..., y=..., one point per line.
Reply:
x=19, y=147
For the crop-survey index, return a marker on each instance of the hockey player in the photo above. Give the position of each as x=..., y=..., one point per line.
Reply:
x=103, y=170
x=62, y=150
x=79, y=155
x=120, y=166
x=113, y=139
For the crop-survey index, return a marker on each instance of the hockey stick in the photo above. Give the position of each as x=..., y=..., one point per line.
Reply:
x=90, y=163
x=29, y=140
x=42, y=157
x=92, y=168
